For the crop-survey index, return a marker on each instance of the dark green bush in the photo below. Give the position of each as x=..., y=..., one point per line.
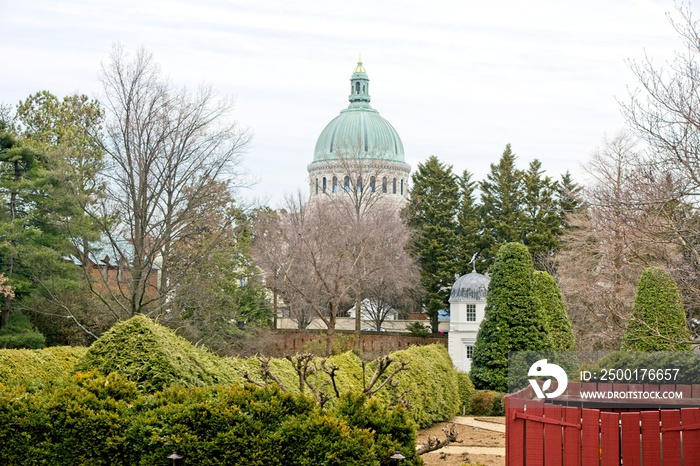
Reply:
x=19, y=333
x=96, y=420
x=556, y=318
x=392, y=428
x=418, y=329
x=513, y=320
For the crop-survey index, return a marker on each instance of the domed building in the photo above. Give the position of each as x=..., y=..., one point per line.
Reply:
x=359, y=150
x=467, y=307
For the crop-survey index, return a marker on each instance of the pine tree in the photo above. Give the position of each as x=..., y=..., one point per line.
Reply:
x=467, y=223
x=568, y=197
x=657, y=322
x=34, y=242
x=431, y=213
x=501, y=205
x=556, y=318
x=513, y=319
x=542, y=223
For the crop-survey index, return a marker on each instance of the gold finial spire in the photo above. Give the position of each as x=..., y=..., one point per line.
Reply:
x=359, y=68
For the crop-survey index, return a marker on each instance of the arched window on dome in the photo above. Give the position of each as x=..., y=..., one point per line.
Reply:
x=357, y=88
x=359, y=184
x=372, y=181
x=335, y=184
x=316, y=185
x=402, y=186
x=346, y=184
x=384, y=184
x=324, y=185
x=394, y=192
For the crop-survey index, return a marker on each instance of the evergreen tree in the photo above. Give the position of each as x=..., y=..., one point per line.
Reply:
x=542, y=223
x=34, y=242
x=568, y=198
x=431, y=213
x=467, y=223
x=657, y=322
x=502, y=200
x=556, y=318
x=513, y=319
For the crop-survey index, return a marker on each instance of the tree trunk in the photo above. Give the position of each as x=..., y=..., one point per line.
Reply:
x=5, y=311
x=358, y=323
x=330, y=334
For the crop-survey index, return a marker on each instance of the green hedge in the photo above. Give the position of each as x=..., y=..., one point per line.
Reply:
x=28, y=367
x=105, y=420
x=154, y=358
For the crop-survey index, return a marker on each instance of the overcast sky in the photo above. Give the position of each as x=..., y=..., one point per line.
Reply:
x=457, y=79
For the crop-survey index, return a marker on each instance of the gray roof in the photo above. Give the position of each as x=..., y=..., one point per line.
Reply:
x=470, y=287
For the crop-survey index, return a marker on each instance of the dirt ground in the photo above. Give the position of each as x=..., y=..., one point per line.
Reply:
x=471, y=437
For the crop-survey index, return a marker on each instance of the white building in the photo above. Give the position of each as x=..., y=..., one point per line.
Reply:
x=467, y=306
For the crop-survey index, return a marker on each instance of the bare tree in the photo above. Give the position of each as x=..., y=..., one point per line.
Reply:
x=631, y=222
x=358, y=183
x=324, y=257
x=164, y=147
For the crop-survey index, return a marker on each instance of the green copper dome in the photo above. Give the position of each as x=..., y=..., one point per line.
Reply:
x=359, y=132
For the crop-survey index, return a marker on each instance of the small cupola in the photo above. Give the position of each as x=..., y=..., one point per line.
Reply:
x=359, y=84
x=469, y=288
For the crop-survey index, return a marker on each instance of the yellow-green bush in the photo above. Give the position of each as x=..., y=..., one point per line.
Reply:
x=430, y=382
x=24, y=366
x=154, y=357
x=466, y=391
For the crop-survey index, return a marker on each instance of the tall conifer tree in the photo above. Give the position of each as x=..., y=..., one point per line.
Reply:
x=431, y=213
x=542, y=222
x=502, y=205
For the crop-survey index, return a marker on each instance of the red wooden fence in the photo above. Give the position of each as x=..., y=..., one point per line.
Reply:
x=549, y=434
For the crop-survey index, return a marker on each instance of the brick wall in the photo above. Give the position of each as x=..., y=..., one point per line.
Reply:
x=292, y=341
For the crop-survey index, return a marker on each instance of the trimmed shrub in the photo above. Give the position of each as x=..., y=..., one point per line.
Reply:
x=513, y=319
x=488, y=403
x=657, y=322
x=556, y=319
x=430, y=384
x=392, y=428
x=466, y=391
x=23, y=366
x=105, y=420
x=154, y=357
x=19, y=333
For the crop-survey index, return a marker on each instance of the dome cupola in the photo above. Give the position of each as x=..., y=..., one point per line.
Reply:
x=359, y=151
x=469, y=288
x=359, y=132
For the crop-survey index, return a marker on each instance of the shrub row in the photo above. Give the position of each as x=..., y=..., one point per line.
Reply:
x=105, y=420
x=154, y=358
x=31, y=367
